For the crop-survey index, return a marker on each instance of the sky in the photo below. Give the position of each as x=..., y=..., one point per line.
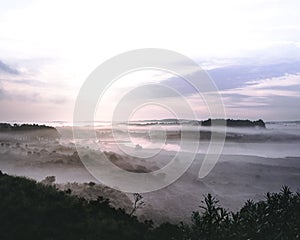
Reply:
x=251, y=49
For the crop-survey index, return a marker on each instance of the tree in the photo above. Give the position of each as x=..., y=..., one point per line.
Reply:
x=137, y=202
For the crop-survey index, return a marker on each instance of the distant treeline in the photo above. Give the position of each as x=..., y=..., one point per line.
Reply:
x=234, y=123
x=25, y=132
x=30, y=210
x=216, y=122
x=22, y=127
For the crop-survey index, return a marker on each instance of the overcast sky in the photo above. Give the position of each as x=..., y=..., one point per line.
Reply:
x=250, y=48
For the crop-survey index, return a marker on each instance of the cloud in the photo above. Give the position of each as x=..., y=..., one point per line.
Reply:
x=32, y=83
x=238, y=76
x=22, y=81
x=4, y=68
x=289, y=81
x=274, y=98
x=32, y=97
x=241, y=86
x=268, y=98
x=285, y=86
x=31, y=90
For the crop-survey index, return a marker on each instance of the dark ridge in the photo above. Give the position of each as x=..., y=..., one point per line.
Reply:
x=31, y=210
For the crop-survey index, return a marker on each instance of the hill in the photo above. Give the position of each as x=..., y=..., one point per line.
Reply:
x=31, y=210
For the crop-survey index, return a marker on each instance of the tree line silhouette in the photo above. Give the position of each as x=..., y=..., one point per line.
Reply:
x=31, y=210
x=234, y=123
x=22, y=127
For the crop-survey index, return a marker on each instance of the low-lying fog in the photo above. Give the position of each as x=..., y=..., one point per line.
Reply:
x=253, y=161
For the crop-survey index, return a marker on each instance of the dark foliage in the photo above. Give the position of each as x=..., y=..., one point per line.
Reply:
x=234, y=123
x=29, y=131
x=22, y=127
x=278, y=217
x=30, y=210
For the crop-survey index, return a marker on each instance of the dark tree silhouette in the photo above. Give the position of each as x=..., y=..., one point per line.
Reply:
x=137, y=202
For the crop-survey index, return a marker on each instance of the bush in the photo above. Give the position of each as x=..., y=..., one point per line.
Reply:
x=30, y=210
x=278, y=217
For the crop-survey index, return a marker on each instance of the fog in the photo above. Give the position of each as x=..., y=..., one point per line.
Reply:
x=253, y=162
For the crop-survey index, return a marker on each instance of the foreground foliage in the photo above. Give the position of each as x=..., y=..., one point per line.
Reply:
x=30, y=210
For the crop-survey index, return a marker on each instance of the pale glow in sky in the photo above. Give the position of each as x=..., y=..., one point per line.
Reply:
x=154, y=104
x=55, y=45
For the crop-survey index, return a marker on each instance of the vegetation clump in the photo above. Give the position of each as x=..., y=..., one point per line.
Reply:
x=31, y=210
x=234, y=123
x=29, y=131
x=23, y=127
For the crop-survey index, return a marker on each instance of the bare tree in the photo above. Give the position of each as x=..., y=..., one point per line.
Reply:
x=137, y=202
